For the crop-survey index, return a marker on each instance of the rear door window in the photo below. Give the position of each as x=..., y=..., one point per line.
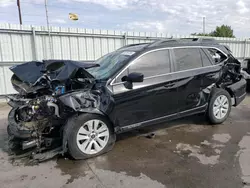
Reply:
x=187, y=58
x=205, y=60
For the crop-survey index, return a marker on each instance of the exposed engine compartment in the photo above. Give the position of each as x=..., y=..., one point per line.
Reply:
x=37, y=109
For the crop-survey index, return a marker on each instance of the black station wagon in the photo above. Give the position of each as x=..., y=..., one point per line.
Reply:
x=68, y=106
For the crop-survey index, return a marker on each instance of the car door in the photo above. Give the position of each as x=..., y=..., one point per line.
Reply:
x=151, y=99
x=189, y=72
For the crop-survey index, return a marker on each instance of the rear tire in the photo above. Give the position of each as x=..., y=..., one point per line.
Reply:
x=219, y=106
x=89, y=135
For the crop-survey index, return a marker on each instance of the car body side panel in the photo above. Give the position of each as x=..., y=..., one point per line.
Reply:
x=189, y=86
x=188, y=92
x=153, y=98
x=194, y=92
x=176, y=92
x=212, y=75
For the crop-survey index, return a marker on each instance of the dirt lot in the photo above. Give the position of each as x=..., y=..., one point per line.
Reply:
x=183, y=153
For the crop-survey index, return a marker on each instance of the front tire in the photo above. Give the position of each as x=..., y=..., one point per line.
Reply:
x=219, y=106
x=89, y=135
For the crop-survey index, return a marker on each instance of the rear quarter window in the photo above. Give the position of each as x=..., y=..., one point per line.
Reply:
x=216, y=55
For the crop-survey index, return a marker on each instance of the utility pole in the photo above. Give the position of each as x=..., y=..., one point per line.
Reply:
x=47, y=19
x=204, y=25
x=19, y=12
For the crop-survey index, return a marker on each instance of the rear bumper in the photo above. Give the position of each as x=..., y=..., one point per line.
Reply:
x=238, y=89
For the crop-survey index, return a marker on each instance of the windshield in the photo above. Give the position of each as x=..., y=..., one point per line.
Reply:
x=109, y=64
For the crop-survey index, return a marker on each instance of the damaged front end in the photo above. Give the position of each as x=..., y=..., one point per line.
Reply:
x=34, y=118
x=36, y=124
x=41, y=109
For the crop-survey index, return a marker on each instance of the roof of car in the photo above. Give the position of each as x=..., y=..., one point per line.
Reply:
x=171, y=43
x=164, y=43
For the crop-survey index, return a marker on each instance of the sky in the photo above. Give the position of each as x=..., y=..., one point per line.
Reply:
x=163, y=16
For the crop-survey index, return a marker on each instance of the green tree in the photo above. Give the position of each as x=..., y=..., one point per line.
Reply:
x=223, y=31
x=220, y=31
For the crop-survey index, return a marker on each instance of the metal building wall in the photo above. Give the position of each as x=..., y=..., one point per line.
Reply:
x=24, y=43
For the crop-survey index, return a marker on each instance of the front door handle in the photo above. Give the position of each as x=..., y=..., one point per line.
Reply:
x=169, y=85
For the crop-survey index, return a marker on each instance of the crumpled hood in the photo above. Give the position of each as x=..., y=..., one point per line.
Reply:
x=60, y=70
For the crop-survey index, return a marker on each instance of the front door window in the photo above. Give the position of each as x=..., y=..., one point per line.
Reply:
x=151, y=64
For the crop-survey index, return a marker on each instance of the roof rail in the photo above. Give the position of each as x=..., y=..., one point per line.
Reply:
x=130, y=45
x=183, y=40
x=162, y=42
x=200, y=40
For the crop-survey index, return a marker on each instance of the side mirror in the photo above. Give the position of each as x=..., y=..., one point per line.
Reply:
x=133, y=77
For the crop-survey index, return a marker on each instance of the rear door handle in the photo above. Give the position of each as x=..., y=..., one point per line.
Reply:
x=210, y=76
